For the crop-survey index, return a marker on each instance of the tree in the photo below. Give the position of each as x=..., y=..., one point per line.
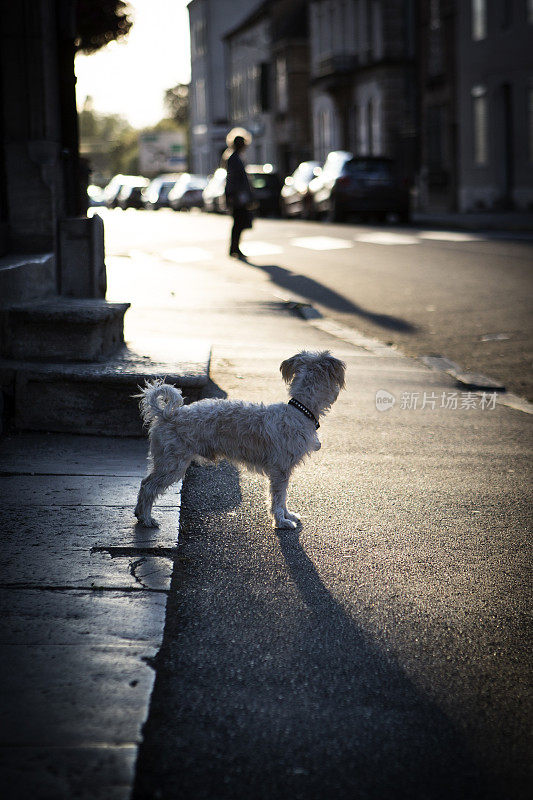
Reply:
x=177, y=103
x=99, y=22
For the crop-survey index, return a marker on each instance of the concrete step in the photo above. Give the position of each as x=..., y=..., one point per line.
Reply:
x=27, y=277
x=98, y=398
x=62, y=329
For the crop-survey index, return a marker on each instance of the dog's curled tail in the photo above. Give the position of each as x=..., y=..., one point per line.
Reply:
x=159, y=400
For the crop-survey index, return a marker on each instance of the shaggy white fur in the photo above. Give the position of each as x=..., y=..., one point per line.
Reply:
x=271, y=439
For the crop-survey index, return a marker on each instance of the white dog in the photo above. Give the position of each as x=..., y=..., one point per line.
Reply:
x=271, y=439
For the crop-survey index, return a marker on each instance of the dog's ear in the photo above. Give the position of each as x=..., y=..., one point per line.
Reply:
x=288, y=368
x=336, y=369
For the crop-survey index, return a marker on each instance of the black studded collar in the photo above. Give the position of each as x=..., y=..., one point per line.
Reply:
x=304, y=410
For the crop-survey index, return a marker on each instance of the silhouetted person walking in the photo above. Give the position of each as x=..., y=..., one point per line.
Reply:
x=238, y=190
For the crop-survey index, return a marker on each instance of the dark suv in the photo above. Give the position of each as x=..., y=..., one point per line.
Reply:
x=363, y=185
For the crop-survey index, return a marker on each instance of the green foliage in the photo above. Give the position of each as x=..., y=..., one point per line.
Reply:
x=177, y=103
x=110, y=144
x=99, y=22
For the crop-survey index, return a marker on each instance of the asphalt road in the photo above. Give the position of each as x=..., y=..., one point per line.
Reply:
x=466, y=296
x=381, y=652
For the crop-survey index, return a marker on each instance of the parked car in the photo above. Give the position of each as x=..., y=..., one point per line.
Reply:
x=130, y=196
x=117, y=183
x=187, y=192
x=95, y=195
x=295, y=197
x=266, y=188
x=213, y=194
x=156, y=193
x=364, y=185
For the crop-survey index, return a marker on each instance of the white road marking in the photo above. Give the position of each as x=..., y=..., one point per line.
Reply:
x=182, y=255
x=354, y=337
x=260, y=249
x=321, y=243
x=449, y=236
x=387, y=238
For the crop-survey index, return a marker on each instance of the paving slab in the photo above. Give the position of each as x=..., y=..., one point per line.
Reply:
x=49, y=689
x=74, y=773
x=63, y=454
x=68, y=490
x=83, y=593
x=34, y=617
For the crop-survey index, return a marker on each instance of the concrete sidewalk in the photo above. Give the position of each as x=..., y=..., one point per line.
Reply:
x=379, y=652
x=83, y=594
x=352, y=659
x=503, y=221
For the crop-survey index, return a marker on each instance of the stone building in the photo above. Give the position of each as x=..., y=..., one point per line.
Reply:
x=267, y=77
x=43, y=227
x=363, y=78
x=209, y=20
x=495, y=104
x=63, y=362
x=437, y=73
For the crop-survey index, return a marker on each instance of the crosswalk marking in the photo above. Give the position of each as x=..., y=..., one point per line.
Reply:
x=386, y=238
x=321, y=243
x=181, y=255
x=260, y=249
x=449, y=236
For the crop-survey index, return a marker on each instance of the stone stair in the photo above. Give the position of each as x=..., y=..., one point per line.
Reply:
x=62, y=329
x=65, y=367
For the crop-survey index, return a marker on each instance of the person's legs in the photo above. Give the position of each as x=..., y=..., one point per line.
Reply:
x=238, y=227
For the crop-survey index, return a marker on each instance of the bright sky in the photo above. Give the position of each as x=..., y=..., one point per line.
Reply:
x=130, y=77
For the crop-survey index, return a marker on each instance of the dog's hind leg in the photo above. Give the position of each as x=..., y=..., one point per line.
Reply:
x=279, y=480
x=153, y=485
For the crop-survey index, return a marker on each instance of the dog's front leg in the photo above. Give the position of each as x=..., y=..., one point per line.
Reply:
x=279, y=480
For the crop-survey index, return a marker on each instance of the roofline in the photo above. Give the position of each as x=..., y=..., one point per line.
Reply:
x=256, y=14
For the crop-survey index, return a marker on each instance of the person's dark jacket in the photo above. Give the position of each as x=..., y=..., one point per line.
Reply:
x=238, y=190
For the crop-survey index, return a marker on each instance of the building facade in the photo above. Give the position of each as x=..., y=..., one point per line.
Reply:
x=47, y=245
x=209, y=117
x=267, y=80
x=437, y=87
x=495, y=104
x=363, y=85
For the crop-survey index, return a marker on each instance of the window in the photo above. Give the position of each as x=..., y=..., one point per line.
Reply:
x=199, y=37
x=435, y=130
x=435, y=43
x=480, y=116
x=530, y=120
x=376, y=29
x=282, y=83
x=200, y=100
x=264, y=86
x=479, y=20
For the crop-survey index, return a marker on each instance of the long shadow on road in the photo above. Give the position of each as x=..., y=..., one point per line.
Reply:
x=319, y=293
x=266, y=688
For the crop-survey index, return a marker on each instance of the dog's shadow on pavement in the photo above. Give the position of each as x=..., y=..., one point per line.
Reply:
x=412, y=748
x=268, y=687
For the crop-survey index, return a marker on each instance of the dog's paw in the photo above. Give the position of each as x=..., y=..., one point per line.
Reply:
x=285, y=524
x=149, y=522
x=292, y=516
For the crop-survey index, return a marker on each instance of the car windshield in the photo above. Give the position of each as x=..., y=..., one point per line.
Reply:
x=306, y=171
x=369, y=169
x=262, y=181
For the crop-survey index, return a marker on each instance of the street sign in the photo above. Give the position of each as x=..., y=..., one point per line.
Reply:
x=163, y=151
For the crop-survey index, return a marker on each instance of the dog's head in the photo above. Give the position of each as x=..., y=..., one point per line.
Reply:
x=317, y=376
